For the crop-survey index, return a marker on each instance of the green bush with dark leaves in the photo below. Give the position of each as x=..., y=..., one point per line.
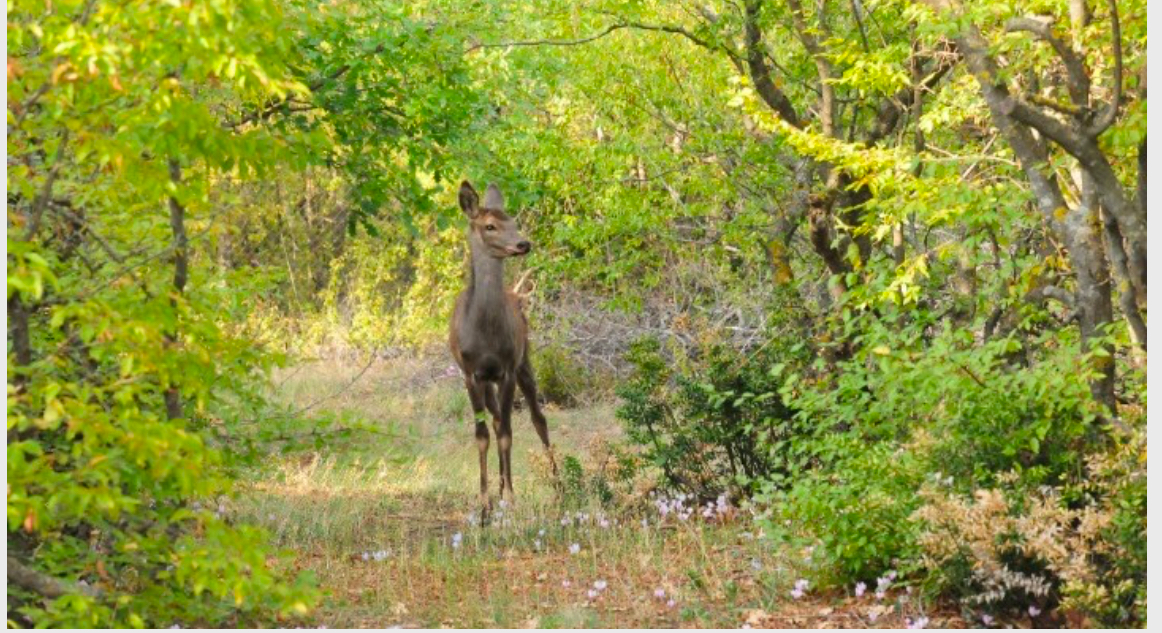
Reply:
x=718, y=424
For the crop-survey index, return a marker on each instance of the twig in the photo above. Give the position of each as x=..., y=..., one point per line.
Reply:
x=340, y=391
x=41, y=202
x=585, y=40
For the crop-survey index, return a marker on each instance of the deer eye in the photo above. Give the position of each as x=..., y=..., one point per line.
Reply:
x=490, y=227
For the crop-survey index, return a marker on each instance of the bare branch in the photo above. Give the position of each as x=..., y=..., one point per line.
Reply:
x=38, y=582
x=1110, y=112
x=585, y=40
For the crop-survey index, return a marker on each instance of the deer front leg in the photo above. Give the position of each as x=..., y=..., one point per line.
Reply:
x=528, y=386
x=476, y=395
x=504, y=437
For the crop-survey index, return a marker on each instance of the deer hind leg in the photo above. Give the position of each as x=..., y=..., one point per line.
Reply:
x=504, y=437
x=528, y=386
x=476, y=393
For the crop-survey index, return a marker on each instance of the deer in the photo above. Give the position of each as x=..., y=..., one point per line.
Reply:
x=489, y=336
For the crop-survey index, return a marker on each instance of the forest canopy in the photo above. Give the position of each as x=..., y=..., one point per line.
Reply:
x=878, y=266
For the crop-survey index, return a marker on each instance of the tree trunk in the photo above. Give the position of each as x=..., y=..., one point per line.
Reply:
x=177, y=223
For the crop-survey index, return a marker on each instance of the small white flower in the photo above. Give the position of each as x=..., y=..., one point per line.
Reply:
x=800, y=588
x=365, y=556
x=537, y=544
x=592, y=594
x=600, y=585
x=986, y=619
x=575, y=548
x=918, y=623
x=566, y=583
x=457, y=538
x=603, y=523
x=671, y=603
x=541, y=533
x=1034, y=611
x=872, y=615
x=860, y=588
x=882, y=584
x=659, y=593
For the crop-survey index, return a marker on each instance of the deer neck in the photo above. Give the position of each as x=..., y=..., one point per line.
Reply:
x=487, y=281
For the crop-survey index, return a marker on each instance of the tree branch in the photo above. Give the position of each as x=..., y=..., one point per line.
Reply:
x=760, y=73
x=827, y=114
x=1043, y=29
x=43, y=584
x=584, y=40
x=314, y=86
x=1110, y=112
x=41, y=203
x=888, y=114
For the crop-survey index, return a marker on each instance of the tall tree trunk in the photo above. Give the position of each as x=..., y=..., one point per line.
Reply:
x=177, y=223
x=1076, y=227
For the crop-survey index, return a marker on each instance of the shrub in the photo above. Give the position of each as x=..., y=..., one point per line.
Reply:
x=561, y=378
x=610, y=477
x=854, y=514
x=1009, y=548
x=718, y=423
x=903, y=411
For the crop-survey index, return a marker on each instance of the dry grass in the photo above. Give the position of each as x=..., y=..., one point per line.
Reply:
x=376, y=521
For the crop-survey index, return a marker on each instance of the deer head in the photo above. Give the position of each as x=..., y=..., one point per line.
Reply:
x=490, y=227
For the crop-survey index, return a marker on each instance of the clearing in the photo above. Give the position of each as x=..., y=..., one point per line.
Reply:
x=388, y=524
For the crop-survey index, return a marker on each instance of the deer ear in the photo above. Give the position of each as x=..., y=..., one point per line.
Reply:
x=469, y=200
x=492, y=198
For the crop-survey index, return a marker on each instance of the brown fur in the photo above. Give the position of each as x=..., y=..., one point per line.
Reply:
x=489, y=335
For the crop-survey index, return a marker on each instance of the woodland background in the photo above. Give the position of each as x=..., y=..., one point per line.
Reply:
x=872, y=269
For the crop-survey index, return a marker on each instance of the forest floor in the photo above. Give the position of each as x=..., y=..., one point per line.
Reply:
x=389, y=526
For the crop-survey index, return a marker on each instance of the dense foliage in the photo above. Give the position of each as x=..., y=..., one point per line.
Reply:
x=878, y=265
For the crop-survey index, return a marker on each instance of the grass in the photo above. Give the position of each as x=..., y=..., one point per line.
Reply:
x=388, y=524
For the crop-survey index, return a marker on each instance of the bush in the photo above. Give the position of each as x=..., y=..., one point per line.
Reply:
x=611, y=477
x=561, y=378
x=873, y=430
x=853, y=515
x=720, y=423
x=1007, y=549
